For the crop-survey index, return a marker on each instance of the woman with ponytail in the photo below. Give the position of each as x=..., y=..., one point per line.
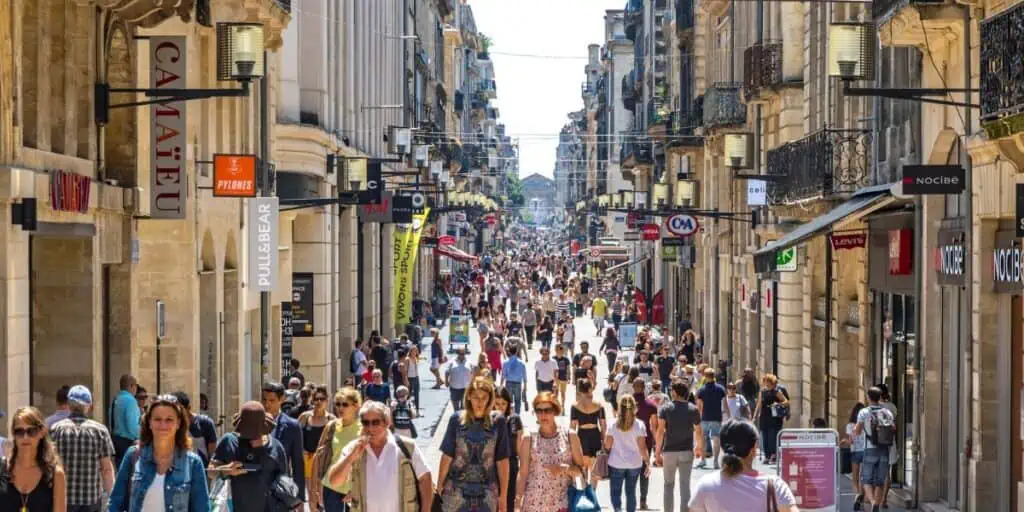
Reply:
x=738, y=486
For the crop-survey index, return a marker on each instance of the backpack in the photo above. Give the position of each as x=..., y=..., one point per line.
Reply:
x=352, y=362
x=883, y=428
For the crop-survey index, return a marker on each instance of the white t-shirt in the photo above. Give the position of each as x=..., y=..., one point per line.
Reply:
x=856, y=442
x=154, y=500
x=545, y=369
x=715, y=493
x=360, y=359
x=383, y=473
x=457, y=303
x=736, y=405
x=625, y=452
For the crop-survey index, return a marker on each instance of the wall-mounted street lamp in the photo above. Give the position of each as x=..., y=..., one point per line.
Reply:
x=685, y=193
x=240, y=58
x=739, y=150
x=852, y=57
x=627, y=198
x=616, y=200
x=660, y=193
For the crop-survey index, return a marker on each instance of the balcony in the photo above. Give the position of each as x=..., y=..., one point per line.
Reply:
x=920, y=21
x=1002, y=76
x=487, y=89
x=722, y=105
x=658, y=117
x=628, y=98
x=684, y=19
x=636, y=151
x=762, y=70
x=821, y=165
x=633, y=18
x=681, y=126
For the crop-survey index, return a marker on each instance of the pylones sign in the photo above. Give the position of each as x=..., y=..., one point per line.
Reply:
x=406, y=244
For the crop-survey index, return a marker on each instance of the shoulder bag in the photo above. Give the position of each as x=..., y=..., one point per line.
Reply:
x=583, y=500
x=601, y=465
x=770, y=501
x=436, y=505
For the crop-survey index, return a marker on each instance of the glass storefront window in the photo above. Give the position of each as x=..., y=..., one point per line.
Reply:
x=897, y=356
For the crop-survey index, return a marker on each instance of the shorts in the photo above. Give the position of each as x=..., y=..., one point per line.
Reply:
x=435, y=363
x=545, y=386
x=562, y=384
x=874, y=469
x=307, y=464
x=711, y=428
x=857, y=457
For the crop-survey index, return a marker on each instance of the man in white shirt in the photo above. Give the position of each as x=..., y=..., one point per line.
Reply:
x=457, y=377
x=384, y=461
x=456, y=305
x=545, y=370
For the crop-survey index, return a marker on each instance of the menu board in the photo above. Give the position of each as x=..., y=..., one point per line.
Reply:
x=808, y=462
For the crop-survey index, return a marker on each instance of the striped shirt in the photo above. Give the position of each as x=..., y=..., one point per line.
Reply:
x=563, y=307
x=616, y=308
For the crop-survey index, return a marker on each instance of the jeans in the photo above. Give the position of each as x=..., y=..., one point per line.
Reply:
x=616, y=320
x=516, y=388
x=414, y=390
x=333, y=501
x=457, y=395
x=612, y=356
x=710, y=429
x=680, y=463
x=874, y=468
x=545, y=386
x=629, y=477
x=529, y=334
x=770, y=437
x=645, y=484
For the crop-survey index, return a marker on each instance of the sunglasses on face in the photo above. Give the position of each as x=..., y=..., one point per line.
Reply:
x=342, y=405
x=372, y=423
x=544, y=410
x=319, y=398
x=26, y=432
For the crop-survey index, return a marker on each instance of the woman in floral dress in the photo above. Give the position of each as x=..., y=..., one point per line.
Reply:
x=550, y=461
x=473, y=474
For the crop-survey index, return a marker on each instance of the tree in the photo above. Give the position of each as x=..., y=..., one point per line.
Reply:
x=515, y=189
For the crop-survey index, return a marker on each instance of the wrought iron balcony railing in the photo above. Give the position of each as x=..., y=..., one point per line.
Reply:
x=487, y=88
x=722, y=105
x=684, y=17
x=1002, y=75
x=822, y=164
x=762, y=68
x=656, y=112
x=636, y=150
x=628, y=98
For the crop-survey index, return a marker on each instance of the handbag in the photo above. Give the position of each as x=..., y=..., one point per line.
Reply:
x=220, y=496
x=583, y=500
x=771, y=505
x=600, y=470
x=285, y=492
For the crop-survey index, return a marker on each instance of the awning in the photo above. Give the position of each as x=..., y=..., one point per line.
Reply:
x=860, y=204
x=455, y=253
x=621, y=266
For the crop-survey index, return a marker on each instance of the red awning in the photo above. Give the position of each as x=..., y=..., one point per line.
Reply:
x=455, y=253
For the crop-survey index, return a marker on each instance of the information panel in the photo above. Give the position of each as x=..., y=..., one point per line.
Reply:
x=808, y=462
x=458, y=332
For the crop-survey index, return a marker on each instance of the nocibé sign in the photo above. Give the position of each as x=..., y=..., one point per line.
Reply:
x=1006, y=263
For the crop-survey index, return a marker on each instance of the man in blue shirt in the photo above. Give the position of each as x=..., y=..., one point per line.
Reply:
x=287, y=431
x=125, y=418
x=710, y=400
x=513, y=376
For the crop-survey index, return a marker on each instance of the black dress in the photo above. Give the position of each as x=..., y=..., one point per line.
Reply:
x=590, y=438
x=39, y=500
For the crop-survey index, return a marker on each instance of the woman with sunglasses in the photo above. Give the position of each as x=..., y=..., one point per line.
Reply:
x=161, y=472
x=551, y=460
x=473, y=474
x=340, y=431
x=313, y=423
x=32, y=478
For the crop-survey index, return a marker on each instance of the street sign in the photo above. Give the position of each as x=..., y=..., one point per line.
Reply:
x=446, y=240
x=651, y=231
x=262, y=243
x=808, y=462
x=682, y=224
x=785, y=260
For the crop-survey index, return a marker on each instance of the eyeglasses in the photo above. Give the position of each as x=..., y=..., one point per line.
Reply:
x=372, y=423
x=544, y=410
x=342, y=405
x=26, y=432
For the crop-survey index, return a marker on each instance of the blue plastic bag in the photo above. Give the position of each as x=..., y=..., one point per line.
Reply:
x=583, y=500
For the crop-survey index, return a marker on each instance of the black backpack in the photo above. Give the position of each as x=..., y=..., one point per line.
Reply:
x=883, y=428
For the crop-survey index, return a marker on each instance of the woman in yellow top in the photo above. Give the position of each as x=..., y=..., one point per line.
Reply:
x=339, y=432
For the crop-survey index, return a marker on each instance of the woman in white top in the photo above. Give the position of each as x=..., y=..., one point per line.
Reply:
x=626, y=444
x=737, y=486
x=857, y=445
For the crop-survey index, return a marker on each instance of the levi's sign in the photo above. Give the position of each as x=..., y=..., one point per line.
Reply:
x=262, y=243
x=854, y=241
x=933, y=179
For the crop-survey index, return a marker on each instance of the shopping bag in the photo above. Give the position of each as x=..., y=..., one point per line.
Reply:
x=601, y=465
x=583, y=500
x=220, y=496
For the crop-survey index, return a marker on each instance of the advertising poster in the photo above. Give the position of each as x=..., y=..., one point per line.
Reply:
x=808, y=462
x=286, y=336
x=458, y=332
x=627, y=335
x=405, y=263
x=302, y=304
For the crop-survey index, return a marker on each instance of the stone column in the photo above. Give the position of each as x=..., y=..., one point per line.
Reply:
x=311, y=250
x=986, y=352
x=790, y=302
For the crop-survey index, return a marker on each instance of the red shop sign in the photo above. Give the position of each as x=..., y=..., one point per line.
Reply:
x=446, y=240
x=69, y=192
x=901, y=257
x=652, y=231
x=854, y=241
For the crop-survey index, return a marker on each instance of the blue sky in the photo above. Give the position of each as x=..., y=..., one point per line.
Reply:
x=536, y=92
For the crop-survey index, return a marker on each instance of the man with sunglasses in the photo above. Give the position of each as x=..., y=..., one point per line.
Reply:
x=393, y=465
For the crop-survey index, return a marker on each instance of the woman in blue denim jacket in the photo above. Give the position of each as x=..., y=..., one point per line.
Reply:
x=161, y=472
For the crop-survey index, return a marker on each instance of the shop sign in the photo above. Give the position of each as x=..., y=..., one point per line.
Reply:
x=168, y=129
x=933, y=179
x=1020, y=210
x=374, y=184
x=668, y=252
x=302, y=304
x=446, y=240
x=401, y=209
x=854, y=241
x=950, y=257
x=687, y=256
x=286, y=335
x=69, y=192
x=757, y=192
x=380, y=213
x=234, y=175
x=1006, y=263
x=651, y=232
x=682, y=224
x=631, y=236
x=785, y=260
x=671, y=241
x=808, y=462
x=262, y=243
x=632, y=219
x=901, y=257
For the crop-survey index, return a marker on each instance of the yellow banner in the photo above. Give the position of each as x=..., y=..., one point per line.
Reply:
x=407, y=242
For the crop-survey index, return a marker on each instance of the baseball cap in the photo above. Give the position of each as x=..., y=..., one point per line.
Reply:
x=79, y=393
